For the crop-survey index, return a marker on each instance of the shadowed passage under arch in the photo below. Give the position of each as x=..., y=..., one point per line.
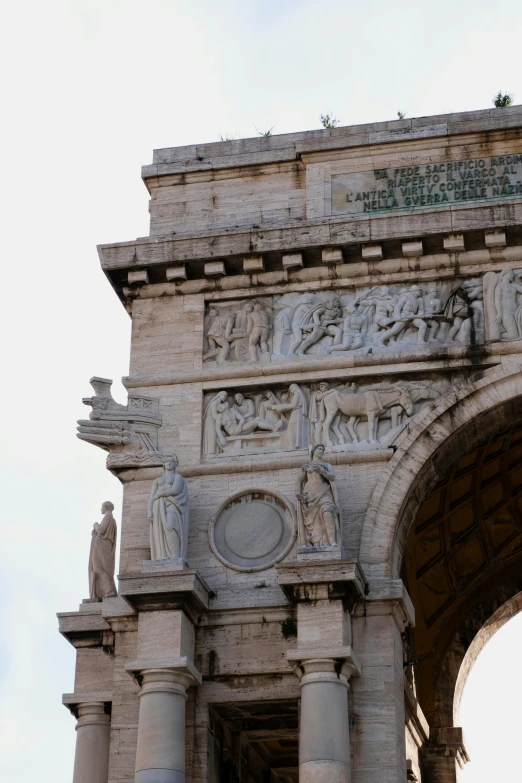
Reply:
x=462, y=564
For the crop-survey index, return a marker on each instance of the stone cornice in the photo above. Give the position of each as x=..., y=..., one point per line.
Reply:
x=183, y=590
x=290, y=146
x=320, y=232
x=344, y=579
x=417, y=360
x=86, y=629
x=252, y=463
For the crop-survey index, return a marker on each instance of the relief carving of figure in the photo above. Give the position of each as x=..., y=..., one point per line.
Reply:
x=298, y=316
x=270, y=328
x=369, y=404
x=258, y=332
x=219, y=335
x=291, y=418
x=382, y=303
x=352, y=338
x=317, y=322
x=168, y=514
x=433, y=313
x=268, y=408
x=319, y=511
x=408, y=312
x=245, y=406
x=464, y=309
x=101, y=556
x=318, y=415
x=221, y=420
x=503, y=293
x=296, y=433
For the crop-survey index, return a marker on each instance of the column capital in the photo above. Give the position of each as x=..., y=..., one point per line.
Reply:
x=180, y=590
x=176, y=670
x=93, y=713
x=336, y=579
x=340, y=660
x=447, y=741
x=75, y=701
x=388, y=597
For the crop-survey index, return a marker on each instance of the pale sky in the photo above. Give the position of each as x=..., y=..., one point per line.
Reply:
x=89, y=88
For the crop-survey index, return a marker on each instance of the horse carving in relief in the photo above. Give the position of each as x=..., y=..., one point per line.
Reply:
x=370, y=405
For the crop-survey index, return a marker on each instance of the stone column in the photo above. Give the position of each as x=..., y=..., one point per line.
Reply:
x=324, y=593
x=324, y=734
x=444, y=755
x=160, y=752
x=91, y=760
x=378, y=694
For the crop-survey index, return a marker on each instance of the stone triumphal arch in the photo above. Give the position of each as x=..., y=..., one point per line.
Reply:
x=321, y=454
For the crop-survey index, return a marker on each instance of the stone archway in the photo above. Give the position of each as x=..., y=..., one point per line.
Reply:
x=472, y=440
x=437, y=438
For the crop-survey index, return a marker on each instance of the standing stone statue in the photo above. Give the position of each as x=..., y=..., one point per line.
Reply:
x=168, y=513
x=319, y=511
x=101, y=557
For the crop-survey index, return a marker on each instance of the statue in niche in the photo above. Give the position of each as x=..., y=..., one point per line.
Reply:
x=319, y=511
x=101, y=556
x=503, y=293
x=464, y=309
x=168, y=514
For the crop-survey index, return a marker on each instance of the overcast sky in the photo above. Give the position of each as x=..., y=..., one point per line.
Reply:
x=89, y=88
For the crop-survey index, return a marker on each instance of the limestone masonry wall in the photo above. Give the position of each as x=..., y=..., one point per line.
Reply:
x=305, y=309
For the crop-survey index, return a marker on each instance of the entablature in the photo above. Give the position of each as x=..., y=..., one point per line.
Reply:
x=420, y=245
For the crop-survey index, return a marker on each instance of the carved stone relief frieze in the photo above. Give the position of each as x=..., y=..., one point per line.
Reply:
x=342, y=416
x=503, y=305
x=376, y=319
x=128, y=432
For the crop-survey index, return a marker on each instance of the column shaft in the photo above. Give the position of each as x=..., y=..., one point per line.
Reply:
x=91, y=760
x=324, y=740
x=160, y=753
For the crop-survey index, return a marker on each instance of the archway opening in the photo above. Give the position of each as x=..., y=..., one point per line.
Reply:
x=489, y=708
x=462, y=564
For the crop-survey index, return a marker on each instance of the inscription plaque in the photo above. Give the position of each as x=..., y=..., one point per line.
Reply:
x=427, y=185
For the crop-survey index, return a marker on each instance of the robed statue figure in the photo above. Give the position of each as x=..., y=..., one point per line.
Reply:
x=168, y=514
x=101, y=556
x=319, y=517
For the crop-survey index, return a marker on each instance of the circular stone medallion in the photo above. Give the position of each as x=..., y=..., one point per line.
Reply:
x=253, y=530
